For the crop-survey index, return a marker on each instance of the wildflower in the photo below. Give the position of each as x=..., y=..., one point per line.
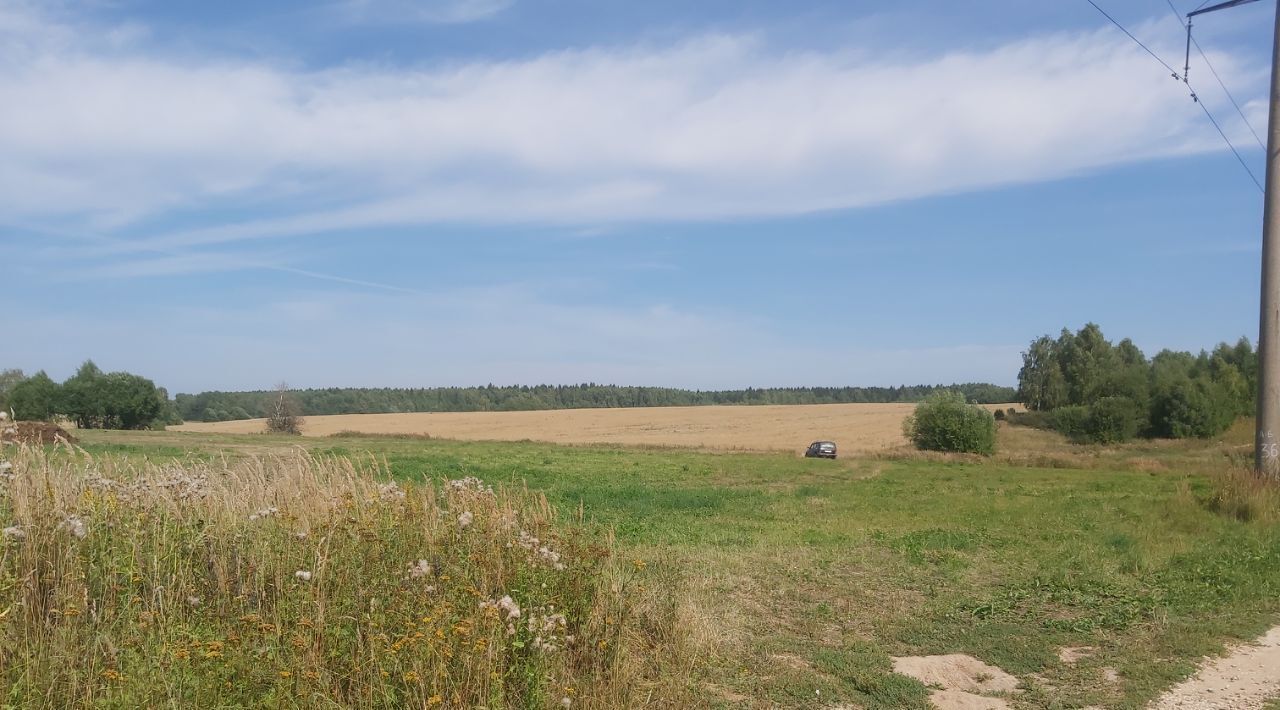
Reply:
x=285, y=674
x=264, y=513
x=465, y=519
x=13, y=532
x=391, y=492
x=506, y=603
x=301, y=534
x=419, y=569
x=410, y=677
x=193, y=600
x=435, y=699
x=470, y=484
x=566, y=701
x=75, y=526
x=303, y=575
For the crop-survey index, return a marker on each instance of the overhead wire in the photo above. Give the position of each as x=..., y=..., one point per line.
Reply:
x=1213, y=71
x=1154, y=56
x=1195, y=97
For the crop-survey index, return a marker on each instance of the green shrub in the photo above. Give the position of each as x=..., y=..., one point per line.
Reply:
x=946, y=422
x=999, y=415
x=1113, y=420
x=1033, y=419
x=1070, y=421
x=1185, y=408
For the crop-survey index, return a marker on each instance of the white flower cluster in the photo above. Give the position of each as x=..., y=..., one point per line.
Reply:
x=264, y=513
x=465, y=519
x=548, y=630
x=391, y=492
x=180, y=486
x=302, y=575
x=419, y=569
x=470, y=484
x=505, y=604
x=75, y=525
x=183, y=485
x=538, y=552
x=6, y=472
x=13, y=532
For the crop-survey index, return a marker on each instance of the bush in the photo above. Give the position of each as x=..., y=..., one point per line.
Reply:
x=1186, y=408
x=1035, y=420
x=946, y=422
x=999, y=414
x=1070, y=421
x=1112, y=420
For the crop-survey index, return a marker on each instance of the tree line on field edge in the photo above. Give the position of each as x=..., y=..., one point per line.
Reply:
x=94, y=399
x=1093, y=391
x=226, y=406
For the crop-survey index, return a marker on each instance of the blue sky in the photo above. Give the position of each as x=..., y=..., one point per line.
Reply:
x=715, y=194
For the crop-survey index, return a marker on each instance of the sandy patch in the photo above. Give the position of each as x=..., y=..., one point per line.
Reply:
x=1071, y=655
x=956, y=672
x=960, y=700
x=1244, y=679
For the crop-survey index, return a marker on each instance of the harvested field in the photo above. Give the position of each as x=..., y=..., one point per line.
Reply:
x=855, y=427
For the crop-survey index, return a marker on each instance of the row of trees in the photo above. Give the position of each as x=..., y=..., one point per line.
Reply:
x=225, y=406
x=93, y=399
x=1093, y=390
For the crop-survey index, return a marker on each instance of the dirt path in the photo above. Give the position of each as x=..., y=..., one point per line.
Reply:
x=1242, y=680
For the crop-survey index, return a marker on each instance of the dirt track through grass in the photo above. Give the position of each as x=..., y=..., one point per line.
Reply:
x=855, y=427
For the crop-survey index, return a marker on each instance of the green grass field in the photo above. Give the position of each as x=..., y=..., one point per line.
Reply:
x=796, y=580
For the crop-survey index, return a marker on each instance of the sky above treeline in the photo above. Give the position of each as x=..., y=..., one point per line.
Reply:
x=706, y=195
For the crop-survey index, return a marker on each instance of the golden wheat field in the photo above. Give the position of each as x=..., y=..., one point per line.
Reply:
x=855, y=427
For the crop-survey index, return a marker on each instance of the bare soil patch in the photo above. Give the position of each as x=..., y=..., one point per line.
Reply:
x=960, y=681
x=33, y=433
x=854, y=427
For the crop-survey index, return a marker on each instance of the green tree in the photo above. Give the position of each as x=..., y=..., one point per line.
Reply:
x=35, y=398
x=128, y=401
x=8, y=379
x=81, y=400
x=1041, y=383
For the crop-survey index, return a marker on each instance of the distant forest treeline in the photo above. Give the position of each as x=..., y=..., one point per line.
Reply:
x=226, y=406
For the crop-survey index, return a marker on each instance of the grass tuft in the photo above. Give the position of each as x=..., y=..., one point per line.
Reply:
x=1238, y=492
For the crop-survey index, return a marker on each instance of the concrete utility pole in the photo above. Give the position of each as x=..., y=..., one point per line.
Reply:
x=1266, y=444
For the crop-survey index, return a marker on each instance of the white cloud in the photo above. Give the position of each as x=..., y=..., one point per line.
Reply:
x=445, y=12
x=713, y=127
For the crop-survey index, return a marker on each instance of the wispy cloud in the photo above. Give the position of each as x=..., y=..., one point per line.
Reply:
x=449, y=12
x=712, y=127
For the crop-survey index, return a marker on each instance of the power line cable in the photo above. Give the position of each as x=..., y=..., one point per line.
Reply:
x=1213, y=71
x=1232, y=147
x=1154, y=56
x=1194, y=96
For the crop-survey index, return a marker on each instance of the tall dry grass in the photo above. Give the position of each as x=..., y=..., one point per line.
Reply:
x=1239, y=492
x=304, y=582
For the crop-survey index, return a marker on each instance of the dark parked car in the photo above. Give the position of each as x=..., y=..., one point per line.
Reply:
x=821, y=450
